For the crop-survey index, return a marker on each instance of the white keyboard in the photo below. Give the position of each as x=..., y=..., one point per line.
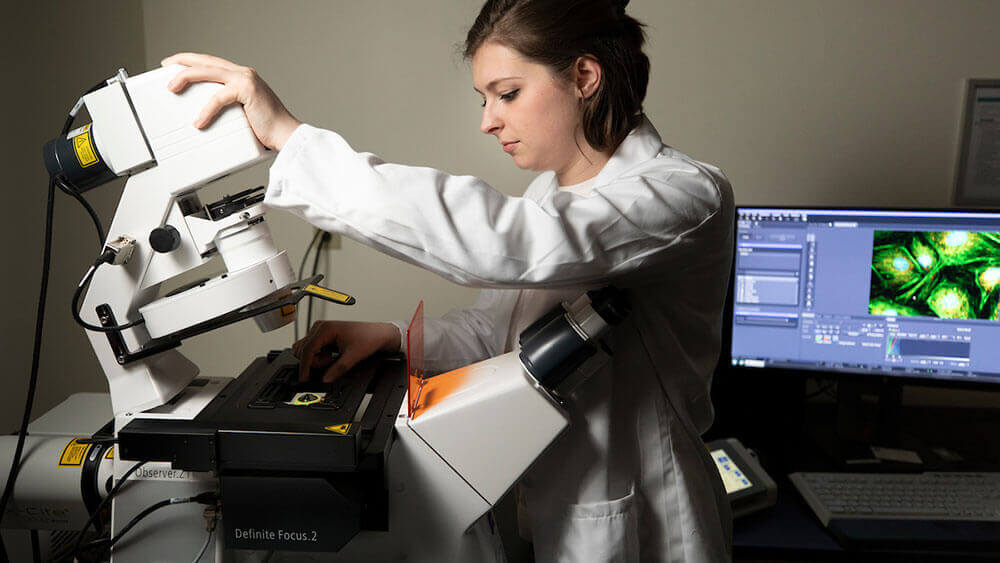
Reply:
x=908, y=496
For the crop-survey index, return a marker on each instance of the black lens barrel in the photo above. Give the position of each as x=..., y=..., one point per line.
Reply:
x=75, y=160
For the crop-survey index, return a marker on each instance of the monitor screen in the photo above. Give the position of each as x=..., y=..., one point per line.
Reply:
x=887, y=292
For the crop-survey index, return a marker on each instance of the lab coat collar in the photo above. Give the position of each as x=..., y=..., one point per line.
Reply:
x=642, y=144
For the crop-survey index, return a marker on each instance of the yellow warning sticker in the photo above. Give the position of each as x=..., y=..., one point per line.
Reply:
x=340, y=428
x=329, y=294
x=83, y=146
x=288, y=310
x=110, y=454
x=74, y=453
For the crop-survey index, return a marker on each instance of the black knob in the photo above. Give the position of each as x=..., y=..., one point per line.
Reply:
x=164, y=239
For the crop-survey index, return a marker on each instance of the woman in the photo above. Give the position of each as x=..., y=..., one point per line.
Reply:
x=562, y=83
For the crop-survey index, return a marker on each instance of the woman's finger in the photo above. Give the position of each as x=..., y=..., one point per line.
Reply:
x=198, y=59
x=349, y=357
x=310, y=350
x=219, y=100
x=199, y=74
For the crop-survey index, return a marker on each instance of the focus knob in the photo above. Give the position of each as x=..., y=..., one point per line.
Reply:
x=164, y=239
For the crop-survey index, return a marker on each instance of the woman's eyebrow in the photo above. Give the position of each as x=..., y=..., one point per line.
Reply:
x=493, y=83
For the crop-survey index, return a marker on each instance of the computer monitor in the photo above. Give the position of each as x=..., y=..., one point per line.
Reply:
x=889, y=293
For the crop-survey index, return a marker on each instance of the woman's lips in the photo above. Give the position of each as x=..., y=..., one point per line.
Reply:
x=509, y=147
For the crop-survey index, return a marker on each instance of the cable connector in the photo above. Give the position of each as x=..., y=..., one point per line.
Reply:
x=120, y=250
x=211, y=515
x=208, y=497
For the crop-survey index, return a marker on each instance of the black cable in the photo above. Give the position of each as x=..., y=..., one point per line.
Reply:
x=68, y=190
x=302, y=267
x=203, y=498
x=22, y=433
x=104, y=502
x=75, y=305
x=15, y=466
x=204, y=547
x=319, y=251
x=821, y=391
x=36, y=549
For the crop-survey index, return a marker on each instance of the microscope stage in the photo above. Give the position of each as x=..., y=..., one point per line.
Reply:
x=268, y=420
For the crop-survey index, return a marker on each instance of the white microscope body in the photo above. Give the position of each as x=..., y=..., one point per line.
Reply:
x=449, y=463
x=144, y=130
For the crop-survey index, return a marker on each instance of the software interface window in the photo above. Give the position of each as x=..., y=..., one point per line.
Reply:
x=909, y=293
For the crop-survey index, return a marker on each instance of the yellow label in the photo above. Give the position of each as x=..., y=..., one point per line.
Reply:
x=73, y=454
x=83, y=145
x=110, y=454
x=329, y=294
x=340, y=428
x=288, y=310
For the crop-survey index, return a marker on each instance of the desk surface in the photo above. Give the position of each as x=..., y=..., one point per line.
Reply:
x=790, y=530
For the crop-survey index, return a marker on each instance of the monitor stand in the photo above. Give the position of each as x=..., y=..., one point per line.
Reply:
x=869, y=414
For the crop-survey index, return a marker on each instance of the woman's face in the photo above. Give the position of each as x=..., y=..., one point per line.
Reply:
x=534, y=115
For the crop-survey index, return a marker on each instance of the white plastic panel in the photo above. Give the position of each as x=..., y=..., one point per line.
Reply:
x=217, y=296
x=493, y=427
x=116, y=133
x=167, y=118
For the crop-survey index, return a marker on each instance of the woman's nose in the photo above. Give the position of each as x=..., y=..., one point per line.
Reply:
x=490, y=124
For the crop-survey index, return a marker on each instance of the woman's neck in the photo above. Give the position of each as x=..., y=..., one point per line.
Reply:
x=588, y=164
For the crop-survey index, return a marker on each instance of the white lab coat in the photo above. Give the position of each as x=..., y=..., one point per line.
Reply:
x=631, y=479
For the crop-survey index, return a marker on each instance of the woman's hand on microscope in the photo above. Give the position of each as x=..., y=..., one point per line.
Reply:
x=354, y=340
x=270, y=120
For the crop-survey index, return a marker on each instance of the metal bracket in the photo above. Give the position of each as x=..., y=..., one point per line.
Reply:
x=156, y=345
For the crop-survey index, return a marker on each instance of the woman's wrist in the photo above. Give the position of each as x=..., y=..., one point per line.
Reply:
x=284, y=131
x=392, y=339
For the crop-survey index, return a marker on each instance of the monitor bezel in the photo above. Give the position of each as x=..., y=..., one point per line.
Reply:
x=725, y=360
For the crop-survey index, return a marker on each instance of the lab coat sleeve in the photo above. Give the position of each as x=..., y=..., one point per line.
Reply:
x=465, y=336
x=468, y=232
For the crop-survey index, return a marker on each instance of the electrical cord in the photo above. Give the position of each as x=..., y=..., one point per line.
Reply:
x=105, y=258
x=36, y=549
x=209, y=497
x=211, y=524
x=104, y=502
x=823, y=390
x=15, y=466
x=208, y=540
x=68, y=190
x=22, y=432
x=302, y=268
x=319, y=251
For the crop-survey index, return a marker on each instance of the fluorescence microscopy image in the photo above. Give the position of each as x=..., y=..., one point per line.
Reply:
x=945, y=274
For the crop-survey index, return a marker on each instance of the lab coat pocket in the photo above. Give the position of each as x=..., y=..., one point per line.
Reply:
x=602, y=532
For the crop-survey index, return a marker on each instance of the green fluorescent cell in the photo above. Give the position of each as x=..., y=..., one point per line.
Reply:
x=885, y=307
x=951, y=301
x=988, y=278
x=959, y=247
x=924, y=254
x=895, y=267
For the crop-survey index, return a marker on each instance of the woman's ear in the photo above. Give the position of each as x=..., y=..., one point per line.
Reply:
x=587, y=73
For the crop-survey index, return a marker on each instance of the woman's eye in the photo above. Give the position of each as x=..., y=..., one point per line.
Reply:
x=510, y=95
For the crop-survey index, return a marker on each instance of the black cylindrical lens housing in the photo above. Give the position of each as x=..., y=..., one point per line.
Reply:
x=76, y=160
x=554, y=352
x=611, y=303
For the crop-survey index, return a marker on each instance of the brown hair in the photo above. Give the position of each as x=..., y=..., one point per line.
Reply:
x=555, y=33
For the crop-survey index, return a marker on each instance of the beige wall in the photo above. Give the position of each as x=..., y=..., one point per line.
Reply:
x=799, y=101
x=820, y=102
x=52, y=52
